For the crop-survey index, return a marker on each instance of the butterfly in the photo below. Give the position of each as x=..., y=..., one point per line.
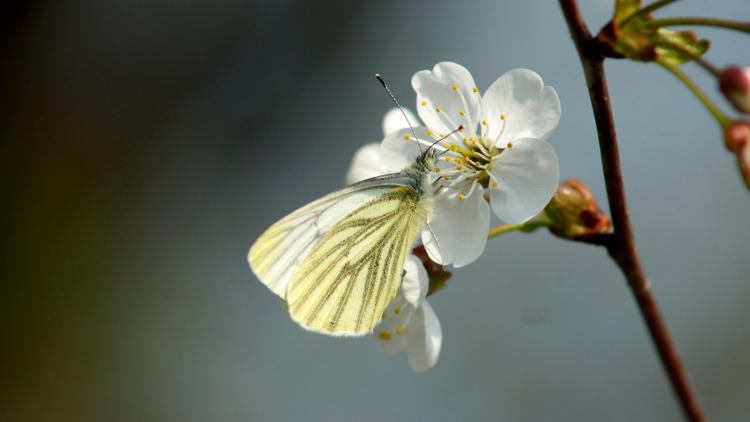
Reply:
x=338, y=261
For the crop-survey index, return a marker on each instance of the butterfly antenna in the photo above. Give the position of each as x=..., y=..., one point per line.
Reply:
x=436, y=142
x=380, y=79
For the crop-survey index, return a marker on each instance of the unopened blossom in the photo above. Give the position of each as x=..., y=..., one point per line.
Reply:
x=573, y=212
x=734, y=83
x=499, y=151
x=409, y=323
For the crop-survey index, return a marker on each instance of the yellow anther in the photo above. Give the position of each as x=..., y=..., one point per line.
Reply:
x=461, y=197
x=502, y=116
x=397, y=310
x=459, y=167
x=455, y=87
x=459, y=160
x=400, y=329
x=384, y=335
x=453, y=148
x=437, y=170
x=448, y=158
x=510, y=145
x=442, y=135
x=407, y=137
x=424, y=103
x=475, y=89
x=461, y=112
x=494, y=184
x=461, y=128
x=484, y=122
x=437, y=108
x=466, y=140
x=429, y=133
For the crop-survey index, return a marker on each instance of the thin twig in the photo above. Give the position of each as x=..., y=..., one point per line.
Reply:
x=622, y=248
x=648, y=9
x=720, y=117
x=716, y=23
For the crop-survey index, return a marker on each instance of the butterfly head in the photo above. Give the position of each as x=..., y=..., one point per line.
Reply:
x=426, y=161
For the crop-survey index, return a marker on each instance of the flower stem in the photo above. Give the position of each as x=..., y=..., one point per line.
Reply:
x=622, y=248
x=712, y=108
x=526, y=227
x=719, y=23
x=648, y=9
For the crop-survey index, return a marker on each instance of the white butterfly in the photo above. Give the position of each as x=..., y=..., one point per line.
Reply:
x=338, y=261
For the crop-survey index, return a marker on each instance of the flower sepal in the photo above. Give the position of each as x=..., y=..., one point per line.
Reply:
x=629, y=34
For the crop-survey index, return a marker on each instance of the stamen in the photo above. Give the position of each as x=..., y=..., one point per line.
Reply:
x=461, y=113
x=397, y=310
x=461, y=197
x=429, y=133
x=455, y=87
x=475, y=89
x=437, y=108
x=407, y=137
x=424, y=103
x=384, y=335
x=510, y=144
x=502, y=116
x=400, y=329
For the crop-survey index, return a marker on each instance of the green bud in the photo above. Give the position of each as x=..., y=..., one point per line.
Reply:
x=573, y=212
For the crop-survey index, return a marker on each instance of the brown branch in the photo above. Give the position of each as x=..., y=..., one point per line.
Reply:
x=621, y=246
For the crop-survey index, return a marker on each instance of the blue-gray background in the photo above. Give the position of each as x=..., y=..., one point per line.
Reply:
x=147, y=144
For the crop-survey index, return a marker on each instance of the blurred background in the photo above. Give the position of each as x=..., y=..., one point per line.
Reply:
x=145, y=145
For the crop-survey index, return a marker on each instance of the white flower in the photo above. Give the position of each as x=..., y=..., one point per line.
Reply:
x=507, y=161
x=409, y=322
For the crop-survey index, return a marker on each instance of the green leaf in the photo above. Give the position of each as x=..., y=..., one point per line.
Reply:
x=677, y=47
x=624, y=9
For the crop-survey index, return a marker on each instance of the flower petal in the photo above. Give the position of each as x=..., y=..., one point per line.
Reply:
x=394, y=120
x=527, y=176
x=365, y=164
x=518, y=105
x=447, y=98
x=390, y=331
x=457, y=230
x=416, y=282
x=399, y=148
x=424, y=337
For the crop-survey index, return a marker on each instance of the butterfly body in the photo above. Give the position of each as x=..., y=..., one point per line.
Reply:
x=338, y=261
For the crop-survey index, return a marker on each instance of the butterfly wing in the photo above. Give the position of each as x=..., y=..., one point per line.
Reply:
x=353, y=272
x=276, y=253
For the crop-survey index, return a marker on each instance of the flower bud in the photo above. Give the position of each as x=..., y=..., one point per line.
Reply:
x=437, y=274
x=574, y=213
x=734, y=83
x=737, y=140
x=743, y=161
x=737, y=135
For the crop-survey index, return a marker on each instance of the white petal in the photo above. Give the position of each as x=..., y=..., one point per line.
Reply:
x=527, y=176
x=394, y=120
x=399, y=148
x=416, y=282
x=366, y=164
x=530, y=109
x=448, y=88
x=457, y=230
x=424, y=337
x=394, y=342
